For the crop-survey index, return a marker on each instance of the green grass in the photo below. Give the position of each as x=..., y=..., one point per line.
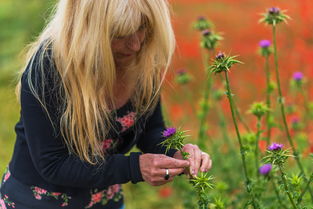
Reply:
x=9, y=114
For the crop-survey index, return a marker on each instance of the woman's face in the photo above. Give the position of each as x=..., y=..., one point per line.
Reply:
x=125, y=48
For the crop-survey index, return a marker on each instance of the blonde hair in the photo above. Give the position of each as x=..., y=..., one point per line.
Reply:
x=79, y=36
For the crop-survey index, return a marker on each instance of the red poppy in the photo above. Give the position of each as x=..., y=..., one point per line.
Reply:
x=165, y=192
x=262, y=145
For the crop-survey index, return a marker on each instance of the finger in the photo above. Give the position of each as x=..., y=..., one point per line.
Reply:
x=205, y=162
x=162, y=181
x=173, y=163
x=171, y=171
x=159, y=183
x=159, y=180
x=210, y=164
x=197, y=160
x=191, y=159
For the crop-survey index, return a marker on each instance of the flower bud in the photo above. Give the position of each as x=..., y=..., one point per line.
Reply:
x=275, y=147
x=265, y=169
x=274, y=11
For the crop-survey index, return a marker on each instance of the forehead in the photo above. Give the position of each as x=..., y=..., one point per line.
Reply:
x=128, y=17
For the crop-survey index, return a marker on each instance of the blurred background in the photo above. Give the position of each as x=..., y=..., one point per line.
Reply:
x=237, y=20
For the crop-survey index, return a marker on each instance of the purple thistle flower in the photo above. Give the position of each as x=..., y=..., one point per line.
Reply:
x=200, y=18
x=181, y=72
x=298, y=76
x=169, y=132
x=206, y=32
x=264, y=43
x=295, y=120
x=274, y=11
x=275, y=147
x=220, y=55
x=265, y=169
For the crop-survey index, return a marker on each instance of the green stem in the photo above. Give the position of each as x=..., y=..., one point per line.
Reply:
x=205, y=105
x=305, y=189
x=236, y=109
x=306, y=106
x=242, y=151
x=282, y=107
x=240, y=118
x=268, y=101
x=223, y=125
x=256, y=151
x=277, y=194
x=286, y=187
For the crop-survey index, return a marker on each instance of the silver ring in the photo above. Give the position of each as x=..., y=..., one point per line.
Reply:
x=167, y=175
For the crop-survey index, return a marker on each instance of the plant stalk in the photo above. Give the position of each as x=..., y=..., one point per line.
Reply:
x=282, y=108
x=242, y=151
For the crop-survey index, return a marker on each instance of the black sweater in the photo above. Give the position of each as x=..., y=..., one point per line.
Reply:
x=41, y=158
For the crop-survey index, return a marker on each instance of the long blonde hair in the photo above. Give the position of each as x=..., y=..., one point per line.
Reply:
x=79, y=36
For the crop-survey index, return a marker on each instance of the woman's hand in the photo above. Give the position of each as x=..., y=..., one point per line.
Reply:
x=153, y=168
x=199, y=161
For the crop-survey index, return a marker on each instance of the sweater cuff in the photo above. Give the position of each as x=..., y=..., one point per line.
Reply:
x=135, y=167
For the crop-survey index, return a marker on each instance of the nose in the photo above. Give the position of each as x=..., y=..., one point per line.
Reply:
x=134, y=43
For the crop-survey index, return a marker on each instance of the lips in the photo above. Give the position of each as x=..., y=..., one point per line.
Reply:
x=127, y=55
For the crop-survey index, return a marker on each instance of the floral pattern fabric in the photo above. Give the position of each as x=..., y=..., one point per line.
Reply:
x=40, y=193
x=127, y=120
x=114, y=193
x=5, y=201
x=7, y=175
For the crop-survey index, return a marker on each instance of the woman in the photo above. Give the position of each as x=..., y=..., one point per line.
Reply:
x=90, y=92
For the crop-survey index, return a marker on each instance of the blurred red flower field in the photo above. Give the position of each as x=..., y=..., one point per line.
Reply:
x=237, y=21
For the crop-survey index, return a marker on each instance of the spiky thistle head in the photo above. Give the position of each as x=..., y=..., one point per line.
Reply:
x=202, y=24
x=276, y=155
x=295, y=180
x=273, y=16
x=174, y=139
x=182, y=77
x=223, y=63
x=259, y=109
x=203, y=182
x=210, y=39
